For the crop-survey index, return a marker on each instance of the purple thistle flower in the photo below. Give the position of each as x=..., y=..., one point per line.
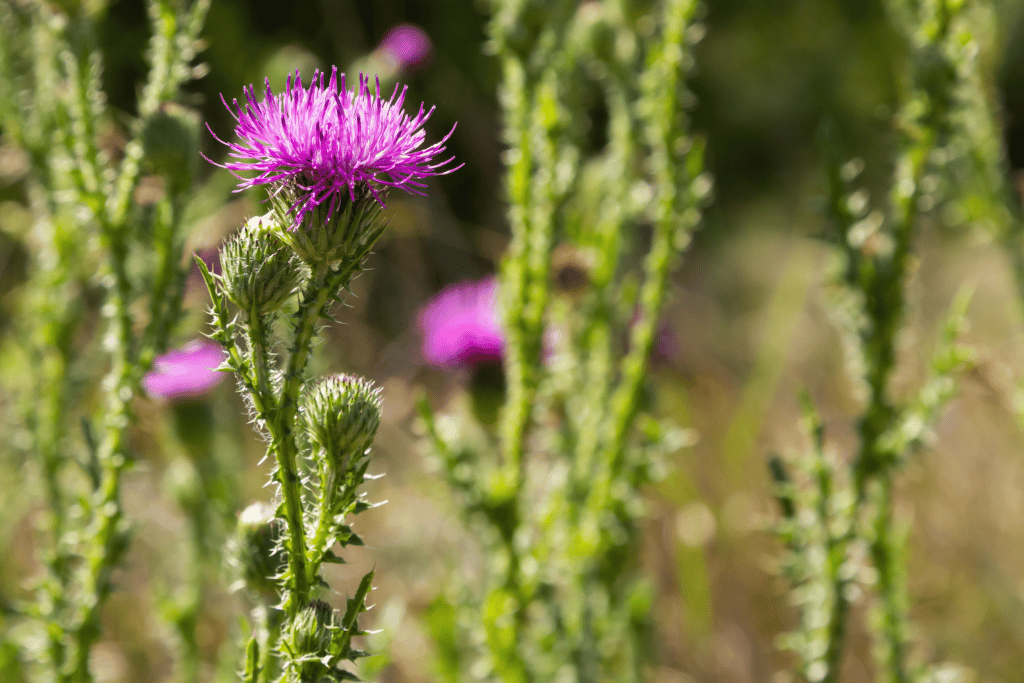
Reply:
x=325, y=144
x=460, y=325
x=406, y=47
x=189, y=371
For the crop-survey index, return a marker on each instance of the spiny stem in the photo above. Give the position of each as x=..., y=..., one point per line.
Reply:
x=255, y=336
x=886, y=561
x=328, y=492
x=321, y=288
x=283, y=447
x=107, y=511
x=514, y=272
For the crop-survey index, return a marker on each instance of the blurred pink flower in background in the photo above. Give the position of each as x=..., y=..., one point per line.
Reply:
x=460, y=325
x=188, y=371
x=406, y=47
x=461, y=328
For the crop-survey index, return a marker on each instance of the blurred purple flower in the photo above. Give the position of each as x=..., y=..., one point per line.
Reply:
x=460, y=325
x=324, y=143
x=188, y=371
x=406, y=47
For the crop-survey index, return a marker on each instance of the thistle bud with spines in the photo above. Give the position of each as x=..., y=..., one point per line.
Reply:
x=341, y=415
x=259, y=271
x=337, y=231
x=310, y=632
x=255, y=550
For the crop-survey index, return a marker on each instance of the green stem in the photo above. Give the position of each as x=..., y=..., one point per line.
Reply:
x=320, y=290
x=328, y=493
x=881, y=280
x=661, y=80
x=108, y=514
x=890, y=589
x=263, y=397
x=283, y=447
x=597, y=337
x=515, y=275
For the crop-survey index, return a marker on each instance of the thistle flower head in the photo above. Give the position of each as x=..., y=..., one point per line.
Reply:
x=326, y=144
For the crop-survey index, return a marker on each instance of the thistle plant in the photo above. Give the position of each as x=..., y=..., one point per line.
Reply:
x=839, y=522
x=328, y=157
x=554, y=495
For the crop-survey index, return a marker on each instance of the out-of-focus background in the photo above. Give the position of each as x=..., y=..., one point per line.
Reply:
x=746, y=332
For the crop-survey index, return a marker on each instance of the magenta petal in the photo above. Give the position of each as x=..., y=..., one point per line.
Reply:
x=189, y=371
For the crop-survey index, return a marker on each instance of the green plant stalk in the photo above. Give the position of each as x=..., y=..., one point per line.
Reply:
x=529, y=274
x=882, y=283
x=598, y=335
x=529, y=114
x=515, y=275
x=532, y=120
x=878, y=417
x=171, y=47
x=320, y=290
x=46, y=422
x=662, y=79
x=251, y=673
x=283, y=447
x=74, y=47
x=56, y=324
x=520, y=368
x=264, y=398
x=125, y=374
x=329, y=489
x=56, y=311
x=24, y=127
x=108, y=514
x=890, y=587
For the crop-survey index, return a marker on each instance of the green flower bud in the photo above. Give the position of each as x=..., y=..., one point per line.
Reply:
x=254, y=550
x=259, y=272
x=341, y=415
x=310, y=632
x=326, y=238
x=170, y=140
